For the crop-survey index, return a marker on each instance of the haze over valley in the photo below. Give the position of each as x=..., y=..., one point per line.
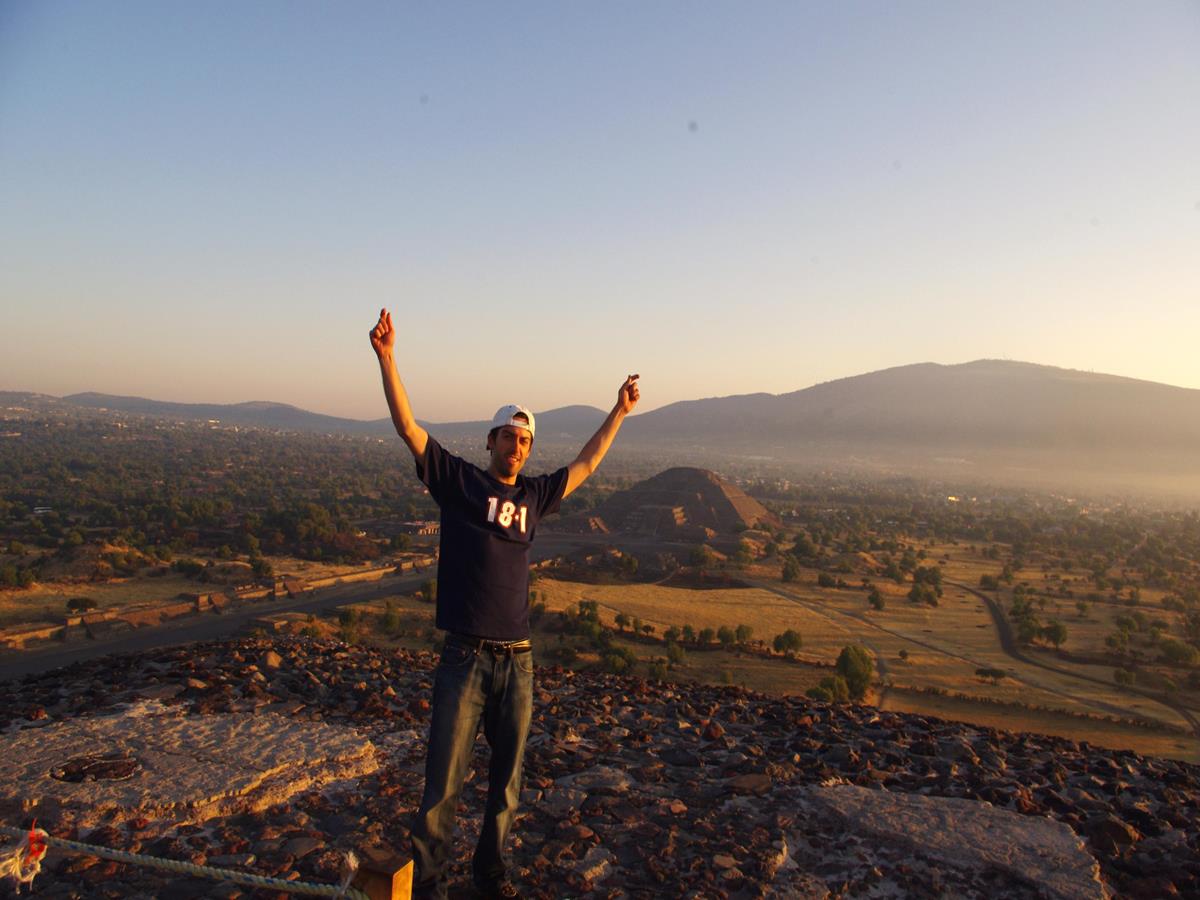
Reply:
x=988, y=421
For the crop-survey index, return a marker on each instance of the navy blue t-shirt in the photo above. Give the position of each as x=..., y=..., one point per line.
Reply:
x=487, y=527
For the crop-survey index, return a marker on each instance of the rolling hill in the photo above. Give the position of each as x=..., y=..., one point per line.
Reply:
x=1005, y=420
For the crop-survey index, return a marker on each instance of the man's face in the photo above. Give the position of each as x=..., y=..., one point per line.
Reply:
x=510, y=448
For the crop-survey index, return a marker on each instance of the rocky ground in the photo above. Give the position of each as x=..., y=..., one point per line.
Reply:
x=638, y=789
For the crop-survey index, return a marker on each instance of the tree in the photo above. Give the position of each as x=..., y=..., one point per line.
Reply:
x=618, y=660
x=803, y=546
x=726, y=635
x=707, y=635
x=923, y=593
x=791, y=569
x=689, y=634
x=702, y=556
x=856, y=665
x=831, y=689
x=80, y=604
x=1123, y=677
x=1055, y=633
x=675, y=654
x=993, y=674
x=930, y=575
x=788, y=642
x=875, y=598
x=622, y=621
x=1028, y=629
x=1178, y=653
x=743, y=634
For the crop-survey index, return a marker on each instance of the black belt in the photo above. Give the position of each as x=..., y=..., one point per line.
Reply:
x=476, y=644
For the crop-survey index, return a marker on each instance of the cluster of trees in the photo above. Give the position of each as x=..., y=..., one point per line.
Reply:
x=1135, y=626
x=854, y=669
x=788, y=643
x=169, y=489
x=1122, y=549
x=927, y=585
x=1128, y=677
x=1029, y=627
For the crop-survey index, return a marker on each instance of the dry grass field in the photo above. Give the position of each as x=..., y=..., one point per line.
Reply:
x=916, y=646
x=1114, y=735
x=944, y=645
x=766, y=613
x=48, y=601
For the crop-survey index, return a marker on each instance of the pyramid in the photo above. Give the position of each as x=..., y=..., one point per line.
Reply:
x=684, y=503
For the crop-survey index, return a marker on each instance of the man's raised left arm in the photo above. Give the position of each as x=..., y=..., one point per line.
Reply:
x=593, y=451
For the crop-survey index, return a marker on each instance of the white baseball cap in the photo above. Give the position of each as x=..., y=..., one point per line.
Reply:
x=506, y=415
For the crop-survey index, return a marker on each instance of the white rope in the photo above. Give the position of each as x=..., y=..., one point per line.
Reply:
x=15, y=866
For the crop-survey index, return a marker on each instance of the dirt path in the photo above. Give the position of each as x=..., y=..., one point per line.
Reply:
x=1007, y=644
x=1010, y=647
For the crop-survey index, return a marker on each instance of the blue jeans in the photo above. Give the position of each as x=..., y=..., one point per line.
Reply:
x=470, y=687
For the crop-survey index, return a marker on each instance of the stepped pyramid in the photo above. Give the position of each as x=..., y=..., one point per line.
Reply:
x=683, y=503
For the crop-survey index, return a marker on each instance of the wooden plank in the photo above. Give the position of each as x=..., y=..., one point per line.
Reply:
x=384, y=875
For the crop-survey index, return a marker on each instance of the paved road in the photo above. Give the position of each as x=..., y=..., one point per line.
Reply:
x=202, y=627
x=236, y=620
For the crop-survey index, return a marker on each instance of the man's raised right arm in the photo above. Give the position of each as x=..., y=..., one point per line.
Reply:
x=383, y=341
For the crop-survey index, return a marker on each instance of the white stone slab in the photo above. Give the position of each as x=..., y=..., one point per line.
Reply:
x=971, y=835
x=190, y=767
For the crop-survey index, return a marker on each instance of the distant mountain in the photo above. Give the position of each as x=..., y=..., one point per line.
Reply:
x=257, y=413
x=564, y=423
x=996, y=417
x=987, y=404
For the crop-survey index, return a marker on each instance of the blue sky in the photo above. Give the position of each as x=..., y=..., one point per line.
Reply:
x=211, y=201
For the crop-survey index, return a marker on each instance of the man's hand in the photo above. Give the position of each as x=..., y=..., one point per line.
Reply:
x=628, y=396
x=593, y=451
x=383, y=336
x=383, y=339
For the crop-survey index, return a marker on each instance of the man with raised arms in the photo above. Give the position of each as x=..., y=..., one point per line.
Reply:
x=485, y=675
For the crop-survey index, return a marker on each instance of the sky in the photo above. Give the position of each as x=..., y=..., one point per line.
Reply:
x=210, y=202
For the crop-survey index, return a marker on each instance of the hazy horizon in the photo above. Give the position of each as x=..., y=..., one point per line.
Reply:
x=210, y=204
x=482, y=415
